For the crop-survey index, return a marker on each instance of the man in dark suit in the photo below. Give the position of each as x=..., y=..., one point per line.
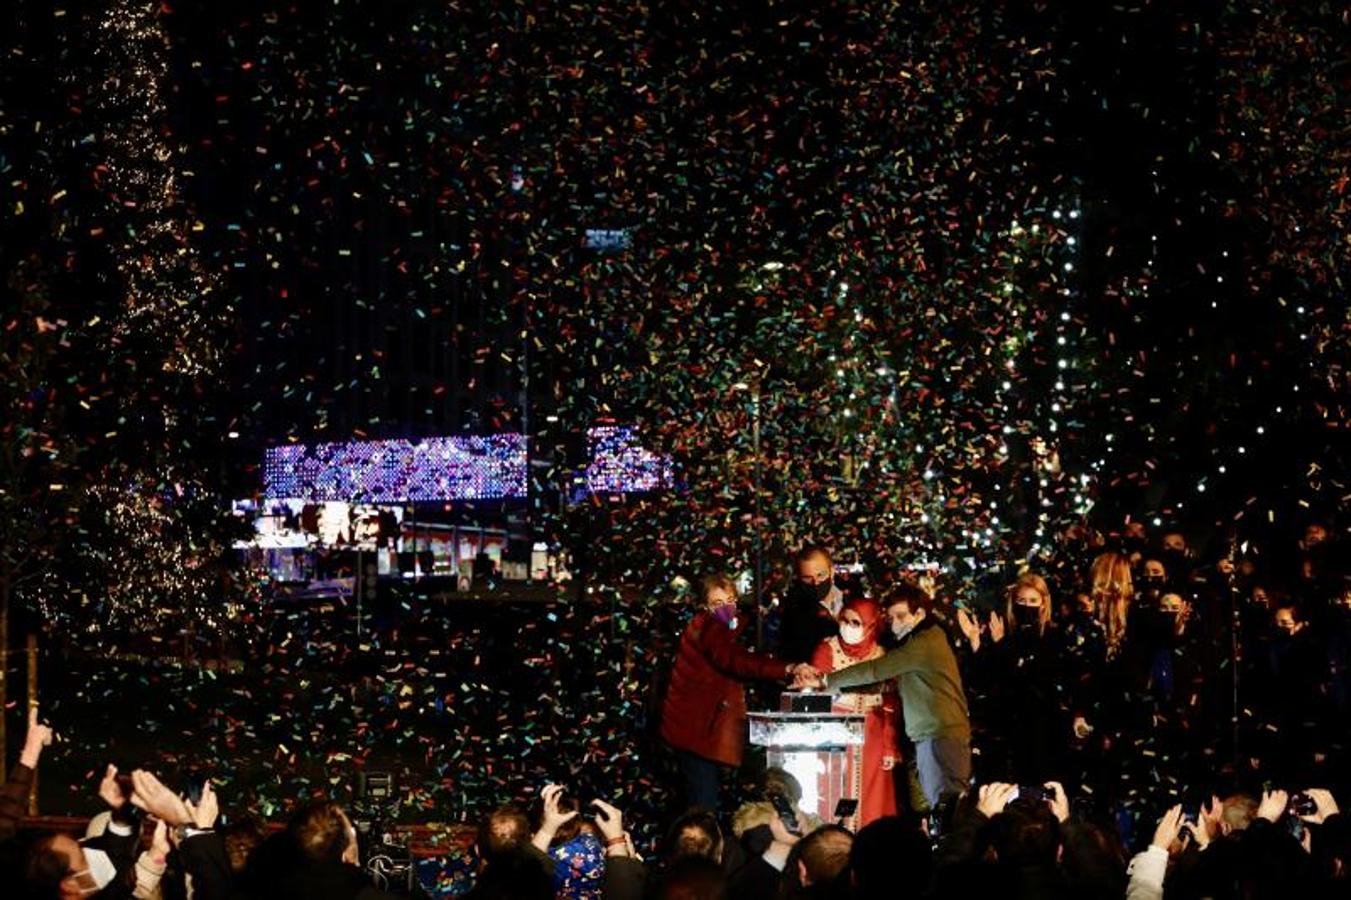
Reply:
x=811, y=607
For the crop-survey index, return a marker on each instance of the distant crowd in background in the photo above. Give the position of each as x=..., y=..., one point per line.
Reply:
x=1134, y=721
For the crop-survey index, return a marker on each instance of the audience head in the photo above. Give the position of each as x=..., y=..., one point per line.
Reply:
x=859, y=624
x=1027, y=604
x=1288, y=618
x=779, y=781
x=823, y=855
x=513, y=876
x=1025, y=834
x=323, y=833
x=1154, y=571
x=505, y=831
x=885, y=847
x=696, y=833
x=693, y=878
x=1111, y=591
x=60, y=867
x=717, y=589
x=813, y=567
x=906, y=604
x=241, y=838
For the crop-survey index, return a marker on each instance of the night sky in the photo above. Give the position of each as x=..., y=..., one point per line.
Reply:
x=383, y=206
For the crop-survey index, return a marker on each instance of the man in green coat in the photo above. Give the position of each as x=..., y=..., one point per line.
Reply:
x=932, y=700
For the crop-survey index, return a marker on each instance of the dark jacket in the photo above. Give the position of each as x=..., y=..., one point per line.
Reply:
x=14, y=800
x=804, y=624
x=705, y=708
x=276, y=871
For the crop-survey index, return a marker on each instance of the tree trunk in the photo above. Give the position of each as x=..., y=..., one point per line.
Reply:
x=31, y=657
x=4, y=670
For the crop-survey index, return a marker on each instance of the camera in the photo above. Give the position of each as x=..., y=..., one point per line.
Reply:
x=387, y=861
x=1302, y=805
x=784, y=807
x=1033, y=793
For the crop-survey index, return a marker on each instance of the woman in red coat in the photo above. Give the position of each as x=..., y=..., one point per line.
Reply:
x=871, y=778
x=704, y=715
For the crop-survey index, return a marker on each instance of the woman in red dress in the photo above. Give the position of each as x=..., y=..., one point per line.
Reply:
x=871, y=779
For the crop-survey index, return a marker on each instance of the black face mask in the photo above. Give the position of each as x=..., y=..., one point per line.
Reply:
x=1176, y=562
x=823, y=589
x=1159, y=626
x=1025, y=616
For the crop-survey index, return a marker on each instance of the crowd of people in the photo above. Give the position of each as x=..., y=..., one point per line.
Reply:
x=1132, y=723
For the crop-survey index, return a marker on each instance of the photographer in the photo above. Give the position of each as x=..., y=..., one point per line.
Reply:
x=592, y=858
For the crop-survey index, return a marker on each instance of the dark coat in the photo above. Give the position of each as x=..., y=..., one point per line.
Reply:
x=705, y=708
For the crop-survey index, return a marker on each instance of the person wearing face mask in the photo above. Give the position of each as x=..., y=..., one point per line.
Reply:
x=1029, y=703
x=933, y=703
x=1294, y=695
x=703, y=716
x=1176, y=556
x=101, y=864
x=812, y=606
x=62, y=867
x=871, y=776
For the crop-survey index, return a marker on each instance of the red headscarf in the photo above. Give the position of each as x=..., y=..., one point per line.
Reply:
x=871, y=614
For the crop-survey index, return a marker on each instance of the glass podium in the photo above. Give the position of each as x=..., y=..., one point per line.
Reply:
x=823, y=750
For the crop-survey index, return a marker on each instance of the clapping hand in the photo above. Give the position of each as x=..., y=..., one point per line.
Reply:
x=150, y=795
x=110, y=791
x=996, y=627
x=969, y=626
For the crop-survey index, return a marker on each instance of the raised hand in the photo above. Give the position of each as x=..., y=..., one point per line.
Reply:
x=35, y=740
x=1273, y=805
x=1168, y=829
x=1209, y=822
x=150, y=795
x=553, y=819
x=993, y=797
x=970, y=629
x=159, y=842
x=1060, y=803
x=206, y=811
x=1326, y=805
x=996, y=627
x=780, y=831
x=610, y=821
x=109, y=790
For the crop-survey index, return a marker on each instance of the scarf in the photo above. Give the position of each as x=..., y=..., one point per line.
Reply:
x=871, y=614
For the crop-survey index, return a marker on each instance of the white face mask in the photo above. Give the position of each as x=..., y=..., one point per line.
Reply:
x=101, y=871
x=851, y=634
x=901, y=630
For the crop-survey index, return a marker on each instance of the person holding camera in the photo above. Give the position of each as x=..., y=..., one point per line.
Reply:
x=704, y=713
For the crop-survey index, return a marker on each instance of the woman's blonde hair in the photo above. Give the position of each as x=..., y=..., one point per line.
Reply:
x=1112, y=592
x=712, y=582
x=1036, y=583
